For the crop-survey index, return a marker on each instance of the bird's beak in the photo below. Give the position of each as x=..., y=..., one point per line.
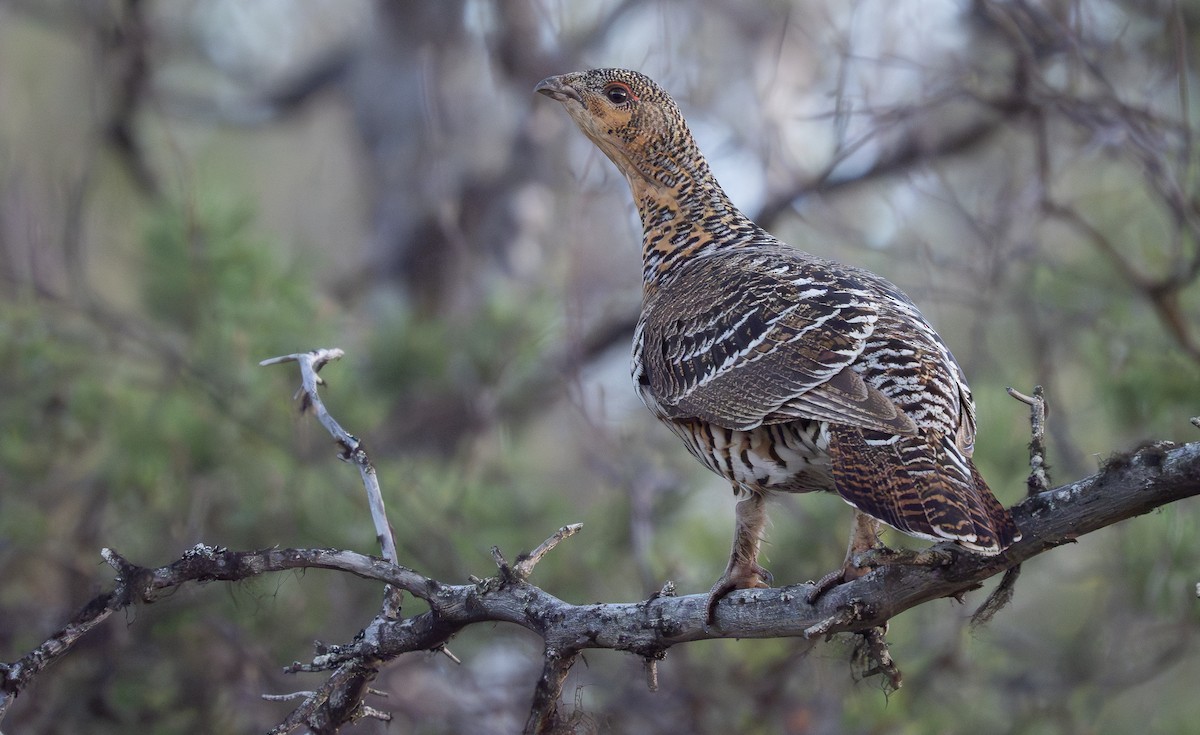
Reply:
x=556, y=89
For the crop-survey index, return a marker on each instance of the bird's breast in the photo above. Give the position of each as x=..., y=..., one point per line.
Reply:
x=787, y=457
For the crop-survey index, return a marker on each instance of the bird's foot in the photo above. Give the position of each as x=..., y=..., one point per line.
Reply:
x=848, y=573
x=881, y=556
x=860, y=563
x=748, y=575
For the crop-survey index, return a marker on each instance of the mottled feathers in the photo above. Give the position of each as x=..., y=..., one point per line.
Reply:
x=781, y=370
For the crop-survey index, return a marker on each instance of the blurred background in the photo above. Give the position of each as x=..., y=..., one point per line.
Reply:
x=188, y=187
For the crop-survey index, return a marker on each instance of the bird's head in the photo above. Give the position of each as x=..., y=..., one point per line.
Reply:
x=631, y=119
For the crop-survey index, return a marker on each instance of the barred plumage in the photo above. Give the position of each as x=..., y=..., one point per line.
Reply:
x=780, y=370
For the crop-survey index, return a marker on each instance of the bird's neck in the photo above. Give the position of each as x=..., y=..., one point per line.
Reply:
x=685, y=214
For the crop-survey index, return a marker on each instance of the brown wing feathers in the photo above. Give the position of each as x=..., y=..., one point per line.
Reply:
x=731, y=343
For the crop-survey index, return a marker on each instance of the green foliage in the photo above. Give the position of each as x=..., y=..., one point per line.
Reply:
x=493, y=349
x=1145, y=386
x=151, y=436
x=210, y=280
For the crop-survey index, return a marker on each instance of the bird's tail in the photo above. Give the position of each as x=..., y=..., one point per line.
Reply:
x=922, y=485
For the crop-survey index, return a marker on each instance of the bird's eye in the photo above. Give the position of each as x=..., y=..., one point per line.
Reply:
x=618, y=94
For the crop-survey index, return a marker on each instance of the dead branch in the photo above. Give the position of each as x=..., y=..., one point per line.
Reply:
x=1128, y=486
x=1039, y=478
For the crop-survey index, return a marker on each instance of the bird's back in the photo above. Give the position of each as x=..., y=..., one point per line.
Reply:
x=784, y=371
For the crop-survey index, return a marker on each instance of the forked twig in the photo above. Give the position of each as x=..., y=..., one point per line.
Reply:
x=352, y=451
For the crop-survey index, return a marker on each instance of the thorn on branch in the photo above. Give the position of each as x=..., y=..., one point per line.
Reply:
x=501, y=564
x=132, y=581
x=114, y=560
x=370, y=712
x=667, y=590
x=446, y=651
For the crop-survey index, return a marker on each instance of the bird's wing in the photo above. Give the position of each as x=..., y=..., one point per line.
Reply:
x=741, y=339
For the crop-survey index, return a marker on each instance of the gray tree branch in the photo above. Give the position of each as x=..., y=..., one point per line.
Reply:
x=1129, y=485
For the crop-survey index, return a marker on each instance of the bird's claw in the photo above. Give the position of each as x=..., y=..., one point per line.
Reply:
x=826, y=583
x=856, y=566
x=750, y=576
x=860, y=563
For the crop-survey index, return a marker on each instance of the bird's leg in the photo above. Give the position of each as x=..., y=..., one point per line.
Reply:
x=743, y=570
x=864, y=536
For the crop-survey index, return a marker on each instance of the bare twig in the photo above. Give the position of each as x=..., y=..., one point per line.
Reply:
x=352, y=451
x=1038, y=482
x=287, y=697
x=338, y=701
x=1162, y=292
x=651, y=664
x=446, y=652
x=878, y=658
x=1039, y=478
x=526, y=562
x=911, y=154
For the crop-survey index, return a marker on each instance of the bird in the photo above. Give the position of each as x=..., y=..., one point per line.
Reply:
x=780, y=370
